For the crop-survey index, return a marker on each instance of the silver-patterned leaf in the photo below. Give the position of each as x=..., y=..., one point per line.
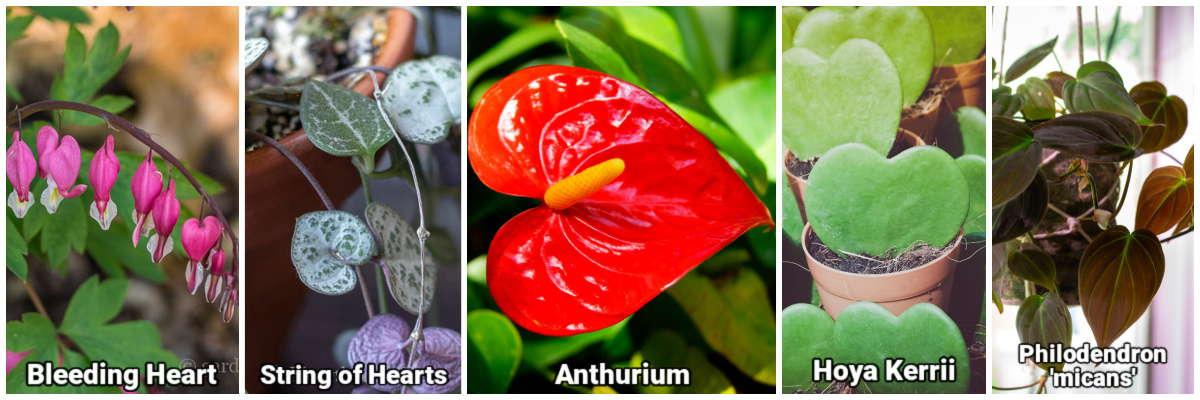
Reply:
x=253, y=51
x=326, y=245
x=442, y=350
x=341, y=121
x=383, y=340
x=423, y=98
x=401, y=259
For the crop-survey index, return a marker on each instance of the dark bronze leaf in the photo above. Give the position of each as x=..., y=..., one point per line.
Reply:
x=1169, y=114
x=1014, y=218
x=1005, y=103
x=1016, y=157
x=1119, y=274
x=1099, y=136
x=1166, y=199
x=1044, y=320
x=1033, y=265
x=1056, y=80
x=1029, y=60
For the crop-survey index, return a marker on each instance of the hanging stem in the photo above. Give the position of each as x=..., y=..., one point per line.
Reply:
x=1079, y=18
x=366, y=297
x=112, y=120
x=338, y=75
x=380, y=291
x=1003, y=41
x=1125, y=190
x=1172, y=237
x=1098, y=55
x=299, y=165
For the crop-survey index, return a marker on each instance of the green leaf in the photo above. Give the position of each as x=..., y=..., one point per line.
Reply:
x=667, y=349
x=748, y=104
x=72, y=15
x=697, y=49
x=493, y=352
x=14, y=28
x=1044, y=320
x=253, y=50
x=1021, y=214
x=65, y=230
x=959, y=33
x=1016, y=158
x=807, y=334
x=515, y=44
x=16, y=250
x=734, y=317
x=972, y=124
x=729, y=144
x=1119, y=274
x=401, y=259
x=1169, y=114
x=1035, y=266
x=1098, y=136
x=1039, y=99
x=974, y=170
x=656, y=28
x=113, y=251
x=590, y=44
x=477, y=270
x=124, y=345
x=791, y=219
x=851, y=96
x=86, y=70
x=325, y=247
x=342, y=122
x=111, y=103
x=543, y=352
x=1028, y=60
x=1098, y=87
x=791, y=19
x=423, y=98
x=1005, y=103
x=34, y=334
x=867, y=333
x=13, y=93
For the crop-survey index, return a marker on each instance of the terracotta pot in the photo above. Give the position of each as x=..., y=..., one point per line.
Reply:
x=276, y=194
x=905, y=140
x=969, y=84
x=924, y=125
x=796, y=183
x=929, y=283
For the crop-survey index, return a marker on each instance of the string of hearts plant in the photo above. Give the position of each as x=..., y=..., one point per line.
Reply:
x=1056, y=193
x=418, y=103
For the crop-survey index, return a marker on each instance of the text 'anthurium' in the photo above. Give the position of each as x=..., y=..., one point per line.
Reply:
x=634, y=197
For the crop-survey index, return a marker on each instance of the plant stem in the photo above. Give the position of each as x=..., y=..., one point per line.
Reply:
x=112, y=120
x=312, y=181
x=1003, y=41
x=1172, y=237
x=1125, y=190
x=1079, y=18
x=380, y=290
x=338, y=75
x=366, y=183
x=362, y=284
x=1098, y=55
x=37, y=301
x=273, y=103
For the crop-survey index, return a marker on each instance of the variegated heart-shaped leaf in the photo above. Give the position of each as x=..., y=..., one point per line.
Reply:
x=325, y=247
x=401, y=259
x=423, y=98
x=1044, y=320
x=1119, y=274
x=252, y=52
x=341, y=121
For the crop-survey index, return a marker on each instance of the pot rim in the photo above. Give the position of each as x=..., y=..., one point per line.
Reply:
x=804, y=244
x=982, y=57
x=788, y=171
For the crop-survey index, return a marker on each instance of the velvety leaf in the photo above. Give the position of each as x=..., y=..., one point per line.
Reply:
x=1028, y=60
x=1166, y=199
x=326, y=246
x=735, y=318
x=868, y=333
x=748, y=104
x=1056, y=80
x=253, y=50
x=1023, y=213
x=1119, y=274
x=972, y=124
x=974, y=170
x=384, y=339
x=807, y=334
x=1099, y=136
x=16, y=250
x=1005, y=102
x=1016, y=158
x=493, y=352
x=818, y=91
x=423, y=98
x=1044, y=320
x=515, y=44
x=959, y=33
x=1033, y=265
x=927, y=199
x=667, y=349
x=545, y=352
x=401, y=258
x=1098, y=87
x=1039, y=100
x=1169, y=114
x=127, y=344
x=340, y=121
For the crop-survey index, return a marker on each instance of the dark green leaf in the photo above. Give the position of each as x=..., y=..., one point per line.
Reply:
x=1098, y=87
x=1169, y=114
x=73, y=15
x=729, y=144
x=1029, y=60
x=1033, y=265
x=590, y=43
x=342, y=122
x=697, y=49
x=520, y=42
x=1019, y=216
x=114, y=252
x=667, y=349
x=1016, y=157
x=34, y=334
x=65, y=230
x=493, y=352
x=1119, y=274
x=545, y=352
x=126, y=344
x=1045, y=321
x=748, y=104
x=1005, y=103
x=16, y=250
x=1099, y=136
x=1039, y=99
x=735, y=319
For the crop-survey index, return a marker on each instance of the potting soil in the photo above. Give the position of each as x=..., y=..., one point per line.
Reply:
x=919, y=255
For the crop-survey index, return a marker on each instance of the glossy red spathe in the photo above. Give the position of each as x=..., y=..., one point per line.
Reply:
x=591, y=265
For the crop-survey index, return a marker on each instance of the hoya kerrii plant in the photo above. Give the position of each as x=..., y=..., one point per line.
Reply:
x=417, y=105
x=650, y=207
x=1061, y=143
x=123, y=212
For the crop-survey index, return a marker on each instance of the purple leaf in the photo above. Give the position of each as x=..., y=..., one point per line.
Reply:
x=441, y=350
x=381, y=340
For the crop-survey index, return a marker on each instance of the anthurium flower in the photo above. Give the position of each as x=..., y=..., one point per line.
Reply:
x=21, y=168
x=198, y=238
x=102, y=173
x=147, y=185
x=61, y=165
x=165, y=214
x=634, y=197
x=216, y=275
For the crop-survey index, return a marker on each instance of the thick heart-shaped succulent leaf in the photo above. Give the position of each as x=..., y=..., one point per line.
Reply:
x=791, y=219
x=1119, y=274
x=253, y=51
x=959, y=33
x=1023, y=213
x=791, y=19
x=1056, y=80
x=441, y=349
x=326, y=246
x=1044, y=320
x=1033, y=265
x=1016, y=158
x=868, y=333
x=1028, y=60
x=972, y=124
x=1099, y=136
x=1169, y=114
x=340, y=121
x=1098, y=87
x=493, y=352
x=853, y=96
x=1005, y=102
x=807, y=334
x=974, y=170
x=400, y=252
x=860, y=202
x=1039, y=99
x=1166, y=198
x=903, y=32
x=423, y=98
x=592, y=264
x=382, y=340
